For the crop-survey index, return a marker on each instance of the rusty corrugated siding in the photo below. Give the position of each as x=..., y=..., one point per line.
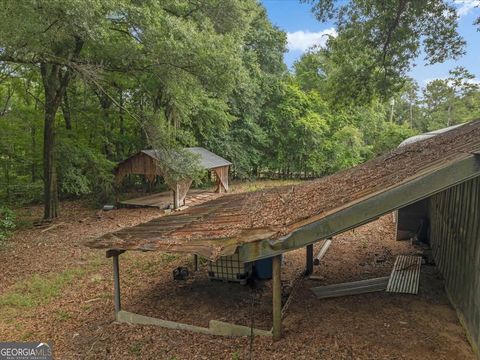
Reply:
x=455, y=240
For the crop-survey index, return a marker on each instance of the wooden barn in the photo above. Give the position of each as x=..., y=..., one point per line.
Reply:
x=146, y=163
x=442, y=171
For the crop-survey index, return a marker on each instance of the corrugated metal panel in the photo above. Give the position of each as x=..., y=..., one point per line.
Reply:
x=455, y=240
x=428, y=135
x=405, y=275
x=207, y=159
x=351, y=288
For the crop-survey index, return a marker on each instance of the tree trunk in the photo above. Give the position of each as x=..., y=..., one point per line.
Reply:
x=49, y=170
x=55, y=79
x=411, y=115
x=66, y=112
x=449, y=120
x=34, y=151
x=106, y=104
x=121, y=124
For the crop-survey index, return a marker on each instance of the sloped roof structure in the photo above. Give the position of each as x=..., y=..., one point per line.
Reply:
x=266, y=223
x=207, y=159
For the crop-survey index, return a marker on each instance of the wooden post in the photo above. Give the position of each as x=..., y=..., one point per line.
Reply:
x=176, y=200
x=309, y=267
x=195, y=262
x=277, y=297
x=116, y=283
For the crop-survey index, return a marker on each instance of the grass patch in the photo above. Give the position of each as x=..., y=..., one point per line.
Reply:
x=168, y=258
x=27, y=336
x=63, y=315
x=135, y=349
x=38, y=290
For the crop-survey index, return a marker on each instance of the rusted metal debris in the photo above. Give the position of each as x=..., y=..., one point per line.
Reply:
x=218, y=227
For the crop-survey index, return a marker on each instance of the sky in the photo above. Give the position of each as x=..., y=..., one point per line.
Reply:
x=303, y=31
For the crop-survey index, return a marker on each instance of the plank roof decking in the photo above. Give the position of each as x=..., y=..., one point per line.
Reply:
x=276, y=220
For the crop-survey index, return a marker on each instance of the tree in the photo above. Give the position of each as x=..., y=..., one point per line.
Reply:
x=378, y=41
x=51, y=37
x=445, y=98
x=180, y=52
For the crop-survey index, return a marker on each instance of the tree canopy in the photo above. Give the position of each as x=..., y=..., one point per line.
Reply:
x=85, y=84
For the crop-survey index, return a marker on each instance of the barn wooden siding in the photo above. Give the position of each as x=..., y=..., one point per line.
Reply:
x=455, y=241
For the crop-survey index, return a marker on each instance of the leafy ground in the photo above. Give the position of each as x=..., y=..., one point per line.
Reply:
x=52, y=288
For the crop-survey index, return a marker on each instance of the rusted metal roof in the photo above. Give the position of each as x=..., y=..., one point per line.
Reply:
x=272, y=221
x=207, y=159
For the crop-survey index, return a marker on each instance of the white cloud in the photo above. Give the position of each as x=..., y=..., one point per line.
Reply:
x=474, y=81
x=303, y=40
x=466, y=6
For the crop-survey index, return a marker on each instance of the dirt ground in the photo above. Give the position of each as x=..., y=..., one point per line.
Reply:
x=54, y=289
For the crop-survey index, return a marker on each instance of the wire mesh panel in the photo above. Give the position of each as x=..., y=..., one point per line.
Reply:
x=229, y=268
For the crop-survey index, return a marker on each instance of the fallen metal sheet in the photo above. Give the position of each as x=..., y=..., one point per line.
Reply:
x=215, y=327
x=351, y=288
x=405, y=277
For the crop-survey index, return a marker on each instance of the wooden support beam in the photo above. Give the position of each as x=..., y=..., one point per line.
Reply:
x=277, y=297
x=309, y=267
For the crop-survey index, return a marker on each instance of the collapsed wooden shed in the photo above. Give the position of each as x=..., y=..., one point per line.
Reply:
x=146, y=163
x=268, y=223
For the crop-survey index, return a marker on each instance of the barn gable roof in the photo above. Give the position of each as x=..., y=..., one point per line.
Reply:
x=207, y=159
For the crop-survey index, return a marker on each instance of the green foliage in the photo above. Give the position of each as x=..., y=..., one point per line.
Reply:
x=391, y=136
x=378, y=42
x=346, y=148
x=450, y=101
x=7, y=223
x=83, y=170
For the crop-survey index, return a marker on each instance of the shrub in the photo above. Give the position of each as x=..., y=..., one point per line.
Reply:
x=7, y=223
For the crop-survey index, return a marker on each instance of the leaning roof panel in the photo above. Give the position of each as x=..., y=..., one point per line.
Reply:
x=220, y=226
